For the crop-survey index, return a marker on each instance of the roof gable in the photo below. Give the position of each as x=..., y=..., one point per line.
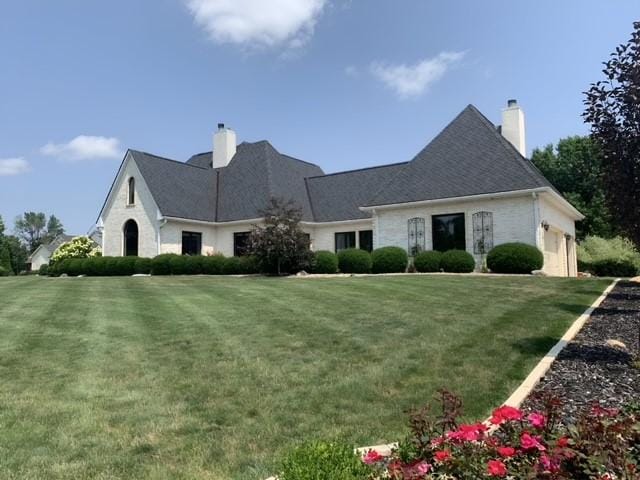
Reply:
x=469, y=157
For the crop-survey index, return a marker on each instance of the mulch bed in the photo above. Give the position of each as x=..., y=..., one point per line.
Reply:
x=588, y=370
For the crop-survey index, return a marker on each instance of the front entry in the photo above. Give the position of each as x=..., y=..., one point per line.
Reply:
x=130, y=239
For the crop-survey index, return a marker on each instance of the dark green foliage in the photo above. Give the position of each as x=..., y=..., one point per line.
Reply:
x=44, y=270
x=428, y=261
x=354, y=260
x=178, y=265
x=389, y=260
x=4, y=272
x=143, y=265
x=18, y=253
x=324, y=262
x=249, y=265
x=612, y=110
x=575, y=168
x=232, y=266
x=96, y=266
x=161, y=265
x=323, y=461
x=514, y=258
x=614, y=267
x=457, y=261
x=5, y=255
x=280, y=246
x=193, y=265
x=213, y=265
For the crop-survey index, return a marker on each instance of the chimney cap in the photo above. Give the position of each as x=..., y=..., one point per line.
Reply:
x=512, y=102
x=220, y=126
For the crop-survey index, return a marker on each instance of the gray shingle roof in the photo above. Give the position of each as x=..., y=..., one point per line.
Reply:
x=338, y=196
x=469, y=157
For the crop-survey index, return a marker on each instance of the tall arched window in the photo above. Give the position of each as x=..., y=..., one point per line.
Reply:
x=130, y=233
x=131, y=198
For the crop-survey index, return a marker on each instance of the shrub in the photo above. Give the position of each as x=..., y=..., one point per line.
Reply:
x=122, y=266
x=515, y=258
x=607, y=253
x=389, y=260
x=457, y=261
x=324, y=261
x=517, y=444
x=354, y=260
x=161, y=265
x=42, y=271
x=323, y=461
x=614, y=267
x=178, y=265
x=4, y=272
x=143, y=265
x=96, y=267
x=78, y=247
x=428, y=261
x=232, y=266
x=249, y=265
x=213, y=265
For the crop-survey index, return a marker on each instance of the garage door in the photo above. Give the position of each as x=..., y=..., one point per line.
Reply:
x=553, y=262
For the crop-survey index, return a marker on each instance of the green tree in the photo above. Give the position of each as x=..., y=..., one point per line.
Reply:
x=613, y=110
x=18, y=253
x=280, y=246
x=34, y=229
x=1, y=227
x=574, y=167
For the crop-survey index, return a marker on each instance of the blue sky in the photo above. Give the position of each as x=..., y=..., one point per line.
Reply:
x=341, y=83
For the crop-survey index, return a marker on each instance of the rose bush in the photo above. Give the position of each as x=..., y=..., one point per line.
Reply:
x=604, y=444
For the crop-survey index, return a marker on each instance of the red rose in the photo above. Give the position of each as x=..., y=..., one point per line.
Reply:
x=442, y=455
x=372, y=457
x=496, y=468
x=505, y=414
x=506, y=451
x=529, y=442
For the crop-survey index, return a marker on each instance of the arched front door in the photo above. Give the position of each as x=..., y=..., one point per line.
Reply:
x=131, y=239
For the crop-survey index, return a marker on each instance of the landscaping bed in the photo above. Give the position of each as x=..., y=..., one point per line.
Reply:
x=589, y=370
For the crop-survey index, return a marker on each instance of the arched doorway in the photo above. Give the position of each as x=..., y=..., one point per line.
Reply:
x=131, y=239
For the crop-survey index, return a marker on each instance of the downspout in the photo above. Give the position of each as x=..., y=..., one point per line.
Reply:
x=536, y=219
x=161, y=223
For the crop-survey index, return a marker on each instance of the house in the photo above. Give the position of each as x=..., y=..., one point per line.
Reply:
x=42, y=254
x=470, y=188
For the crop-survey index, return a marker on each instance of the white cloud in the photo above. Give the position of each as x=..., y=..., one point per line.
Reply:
x=258, y=23
x=13, y=166
x=85, y=147
x=413, y=80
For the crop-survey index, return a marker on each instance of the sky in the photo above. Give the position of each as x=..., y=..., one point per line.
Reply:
x=344, y=84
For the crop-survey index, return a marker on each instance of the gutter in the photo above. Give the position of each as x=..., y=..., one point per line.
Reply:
x=258, y=220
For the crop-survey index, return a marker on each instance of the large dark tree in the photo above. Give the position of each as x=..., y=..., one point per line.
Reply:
x=613, y=110
x=34, y=229
x=280, y=246
x=574, y=167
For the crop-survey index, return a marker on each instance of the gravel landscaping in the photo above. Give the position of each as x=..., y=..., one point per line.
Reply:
x=598, y=365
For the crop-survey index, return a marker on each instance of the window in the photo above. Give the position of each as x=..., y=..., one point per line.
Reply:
x=130, y=239
x=240, y=243
x=131, y=197
x=191, y=243
x=482, y=232
x=345, y=240
x=415, y=227
x=365, y=237
x=307, y=238
x=448, y=232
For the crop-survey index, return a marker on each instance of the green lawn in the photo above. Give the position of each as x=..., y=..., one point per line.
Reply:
x=211, y=378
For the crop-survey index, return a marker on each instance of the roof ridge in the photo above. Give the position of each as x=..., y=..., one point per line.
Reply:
x=358, y=170
x=167, y=159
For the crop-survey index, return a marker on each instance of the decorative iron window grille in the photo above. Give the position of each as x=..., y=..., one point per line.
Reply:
x=416, y=236
x=482, y=232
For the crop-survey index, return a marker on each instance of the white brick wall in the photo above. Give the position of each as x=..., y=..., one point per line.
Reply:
x=513, y=221
x=323, y=237
x=117, y=212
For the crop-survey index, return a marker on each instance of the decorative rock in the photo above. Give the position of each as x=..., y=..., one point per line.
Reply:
x=141, y=275
x=64, y=275
x=636, y=279
x=539, y=273
x=301, y=273
x=615, y=344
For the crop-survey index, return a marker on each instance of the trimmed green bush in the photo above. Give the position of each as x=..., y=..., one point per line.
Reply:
x=249, y=265
x=457, y=261
x=614, y=267
x=143, y=265
x=232, y=266
x=161, y=265
x=324, y=261
x=4, y=272
x=323, y=461
x=42, y=271
x=514, y=258
x=213, y=265
x=389, y=260
x=354, y=260
x=428, y=261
